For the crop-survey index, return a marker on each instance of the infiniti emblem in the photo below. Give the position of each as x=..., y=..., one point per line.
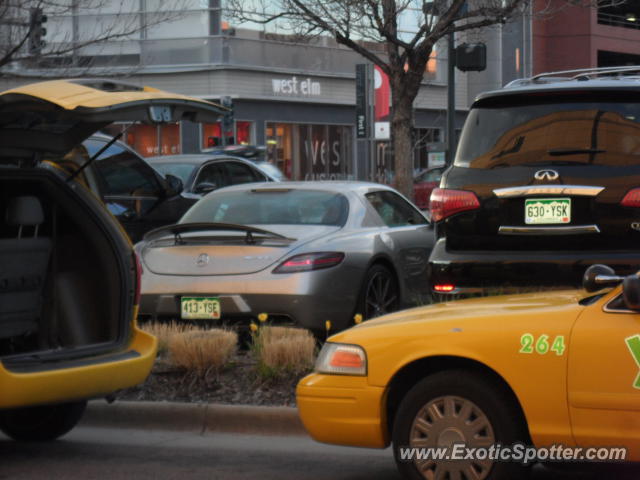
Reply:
x=546, y=175
x=203, y=260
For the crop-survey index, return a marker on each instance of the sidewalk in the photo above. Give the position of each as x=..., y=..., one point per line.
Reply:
x=194, y=417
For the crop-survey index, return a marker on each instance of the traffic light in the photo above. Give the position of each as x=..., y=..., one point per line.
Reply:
x=471, y=57
x=227, y=118
x=36, y=30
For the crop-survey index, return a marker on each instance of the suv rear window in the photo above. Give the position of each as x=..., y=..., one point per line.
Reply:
x=519, y=131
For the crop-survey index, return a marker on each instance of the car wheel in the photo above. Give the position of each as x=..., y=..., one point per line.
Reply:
x=42, y=423
x=453, y=407
x=380, y=293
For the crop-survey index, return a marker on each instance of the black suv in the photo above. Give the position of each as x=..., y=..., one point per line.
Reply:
x=546, y=182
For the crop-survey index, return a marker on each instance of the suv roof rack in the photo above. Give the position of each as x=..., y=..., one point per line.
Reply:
x=575, y=74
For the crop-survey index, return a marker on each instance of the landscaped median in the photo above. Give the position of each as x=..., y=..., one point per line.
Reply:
x=204, y=380
x=207, y=379
x=211, y=365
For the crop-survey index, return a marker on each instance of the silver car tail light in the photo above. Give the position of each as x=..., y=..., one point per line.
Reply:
x=310, y=261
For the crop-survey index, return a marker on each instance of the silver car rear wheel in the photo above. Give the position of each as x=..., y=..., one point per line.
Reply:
x=380, y=293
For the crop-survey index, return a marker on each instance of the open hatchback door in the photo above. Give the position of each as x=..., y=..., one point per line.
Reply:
x=69, y=279
x=53, y=117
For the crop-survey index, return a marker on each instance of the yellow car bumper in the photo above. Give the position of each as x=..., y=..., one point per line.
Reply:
x=343, y=410
x=94, y=378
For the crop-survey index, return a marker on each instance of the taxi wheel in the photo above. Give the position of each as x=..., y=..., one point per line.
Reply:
x=454, y=407
x=41, y=423
x=380, y=293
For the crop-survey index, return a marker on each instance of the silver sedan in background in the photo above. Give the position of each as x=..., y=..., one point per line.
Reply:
x=301, y=252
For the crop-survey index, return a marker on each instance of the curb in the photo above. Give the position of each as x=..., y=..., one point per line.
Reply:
x=194, y=417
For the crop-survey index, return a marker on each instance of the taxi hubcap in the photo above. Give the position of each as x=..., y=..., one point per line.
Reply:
x=444, y=422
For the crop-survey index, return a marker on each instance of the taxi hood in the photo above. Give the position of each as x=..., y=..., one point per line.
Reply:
x=54, y=116
x=487, y=313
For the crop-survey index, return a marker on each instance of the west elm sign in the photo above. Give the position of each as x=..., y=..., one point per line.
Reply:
x=296, y=87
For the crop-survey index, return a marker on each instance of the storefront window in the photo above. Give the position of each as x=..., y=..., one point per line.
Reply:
x=324, y=153
x=280, y=147
x=212, y=136
x=170, y=139
x=149, y=140
x=381, y=170
x=428, y=142
x=243, y=133
x=311, y=152
x=143, y=139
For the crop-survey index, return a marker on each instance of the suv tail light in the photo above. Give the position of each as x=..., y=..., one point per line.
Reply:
x=444, y=288
x=445, y=202
x=310, y=261
x=632, y=198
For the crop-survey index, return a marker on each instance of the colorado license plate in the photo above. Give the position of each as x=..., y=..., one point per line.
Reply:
x=547, y=210
x=200, y=308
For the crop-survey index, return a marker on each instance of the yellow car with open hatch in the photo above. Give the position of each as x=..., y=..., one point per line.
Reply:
x=69, y=277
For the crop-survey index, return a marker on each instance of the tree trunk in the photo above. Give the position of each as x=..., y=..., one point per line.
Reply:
x=402, y=132
x=402, y=128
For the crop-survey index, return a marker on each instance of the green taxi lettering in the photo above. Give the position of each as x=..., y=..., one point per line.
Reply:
x=634, y=347
x=558, y=345
x=541, y=346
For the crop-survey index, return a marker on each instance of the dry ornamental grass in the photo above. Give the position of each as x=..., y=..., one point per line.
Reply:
x=283, y=349
x=202, y=351
x=165, y=331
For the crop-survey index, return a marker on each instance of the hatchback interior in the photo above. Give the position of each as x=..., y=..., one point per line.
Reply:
x=58, y=285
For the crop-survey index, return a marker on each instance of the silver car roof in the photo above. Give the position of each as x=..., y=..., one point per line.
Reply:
x=338, y=186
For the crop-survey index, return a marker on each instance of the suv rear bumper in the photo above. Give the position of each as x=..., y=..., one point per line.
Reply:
x=472, y=271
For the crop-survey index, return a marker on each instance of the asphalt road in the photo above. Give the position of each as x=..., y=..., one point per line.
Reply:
x=114, y=454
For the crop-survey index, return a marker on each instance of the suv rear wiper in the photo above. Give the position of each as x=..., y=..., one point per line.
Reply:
x=557, y=152
x=179, y=228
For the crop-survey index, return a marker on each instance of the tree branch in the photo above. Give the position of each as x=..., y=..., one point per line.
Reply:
x=340, y=38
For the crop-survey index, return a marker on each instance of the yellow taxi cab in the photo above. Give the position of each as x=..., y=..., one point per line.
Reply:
x=481, y=388
x=69, y=278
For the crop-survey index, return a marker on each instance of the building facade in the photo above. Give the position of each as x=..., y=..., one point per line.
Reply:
x=575, y=37
x=297, y=98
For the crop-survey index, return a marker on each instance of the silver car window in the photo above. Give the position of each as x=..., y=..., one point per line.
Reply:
x=263, y=207
x=394, y=210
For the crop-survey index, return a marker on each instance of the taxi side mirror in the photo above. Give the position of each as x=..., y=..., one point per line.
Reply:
x=599, y=276
x=631, y=292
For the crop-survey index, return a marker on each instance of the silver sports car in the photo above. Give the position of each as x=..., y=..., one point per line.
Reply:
x=301, y=252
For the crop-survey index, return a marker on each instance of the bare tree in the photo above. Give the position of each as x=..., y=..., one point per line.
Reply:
x=366, y=25
x=73, y=30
